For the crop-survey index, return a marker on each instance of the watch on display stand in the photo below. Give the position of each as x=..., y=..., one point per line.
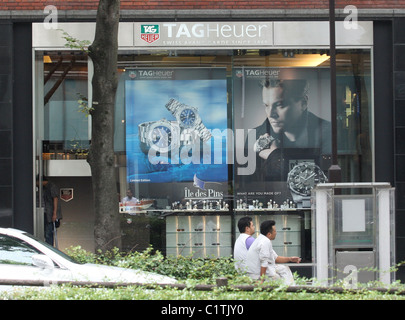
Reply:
x=302, y=179
x=188, y=118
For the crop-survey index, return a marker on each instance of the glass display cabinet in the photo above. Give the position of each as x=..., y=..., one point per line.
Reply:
x=199, y=236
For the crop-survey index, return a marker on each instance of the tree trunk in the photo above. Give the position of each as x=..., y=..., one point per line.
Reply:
x=104, y=54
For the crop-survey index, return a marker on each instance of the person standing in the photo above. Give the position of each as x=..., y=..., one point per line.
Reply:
x=52, y=211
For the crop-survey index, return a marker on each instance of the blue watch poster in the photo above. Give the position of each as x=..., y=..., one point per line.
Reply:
x=171, y=118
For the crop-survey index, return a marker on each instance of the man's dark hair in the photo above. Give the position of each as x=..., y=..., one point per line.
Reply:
x=243, y=223
x=267, y=226
x=293, y=88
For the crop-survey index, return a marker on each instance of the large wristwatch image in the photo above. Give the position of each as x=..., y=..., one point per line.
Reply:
x=302, y=179
x=188, y=118
x=162, y=135
x=263, y=142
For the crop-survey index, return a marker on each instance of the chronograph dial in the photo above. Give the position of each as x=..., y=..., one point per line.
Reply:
x=303, y=178
x=163, y=135
x=188, y=118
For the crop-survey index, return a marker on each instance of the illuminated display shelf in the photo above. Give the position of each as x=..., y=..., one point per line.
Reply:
x=211, y=233
x=199, y=236
x=167, y=212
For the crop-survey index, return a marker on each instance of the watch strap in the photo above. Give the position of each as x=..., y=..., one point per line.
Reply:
x=173, y=105
x=142, y=130
x=203, y=132
x=301, y=201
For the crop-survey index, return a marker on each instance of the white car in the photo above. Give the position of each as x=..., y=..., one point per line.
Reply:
x=25, y=260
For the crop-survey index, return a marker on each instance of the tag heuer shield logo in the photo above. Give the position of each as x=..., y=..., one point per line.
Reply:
x=150, y=32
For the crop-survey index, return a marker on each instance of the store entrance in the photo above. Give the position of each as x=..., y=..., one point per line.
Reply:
x=77, y=225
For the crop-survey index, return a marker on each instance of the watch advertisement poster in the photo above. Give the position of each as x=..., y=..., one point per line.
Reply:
x=175, y=124
x=284, y=115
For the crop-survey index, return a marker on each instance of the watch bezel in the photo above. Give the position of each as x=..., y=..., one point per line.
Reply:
x=175, y=135
x=176, y=108
x=262, y=143
x=196, y=121
x=297, y=169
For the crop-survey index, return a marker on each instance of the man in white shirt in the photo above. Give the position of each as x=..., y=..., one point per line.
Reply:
x=130, y=200
x=243, y=243
x=262, y=261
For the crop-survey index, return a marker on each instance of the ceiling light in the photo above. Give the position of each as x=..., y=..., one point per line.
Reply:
x=47, y=59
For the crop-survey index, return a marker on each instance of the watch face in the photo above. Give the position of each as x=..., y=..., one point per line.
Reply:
x=263, y=142
x=188, y=117
x=303, y=178
x=266, y=141
x=161, y=136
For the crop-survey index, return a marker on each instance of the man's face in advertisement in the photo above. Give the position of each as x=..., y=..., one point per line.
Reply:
x=282, y=111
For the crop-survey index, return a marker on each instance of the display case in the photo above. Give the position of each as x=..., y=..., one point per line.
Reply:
x=198, y=235
x=212, y=234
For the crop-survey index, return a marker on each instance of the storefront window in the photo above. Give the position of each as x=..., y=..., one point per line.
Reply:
x=229, y=89
x=184, y=139
x=354, y=115
x=238, y=77
x=66, y=129
x=66, y=123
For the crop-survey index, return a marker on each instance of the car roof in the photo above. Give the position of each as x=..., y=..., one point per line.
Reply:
x=27, y=237
x=11, y=231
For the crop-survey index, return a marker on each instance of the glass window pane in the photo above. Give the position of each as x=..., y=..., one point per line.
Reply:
x=66, y=122
x=245, y=103
x=14, y=251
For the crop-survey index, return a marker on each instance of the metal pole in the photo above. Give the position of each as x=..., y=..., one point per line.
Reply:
x=334, y=171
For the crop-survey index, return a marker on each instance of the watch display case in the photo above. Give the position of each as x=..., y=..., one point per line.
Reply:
x=199, y=236
x=207, y=235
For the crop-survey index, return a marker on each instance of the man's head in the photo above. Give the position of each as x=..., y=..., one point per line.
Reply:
x=129, y=193
x=284, y=102
x=245, y=225
x=44, y=180
x=268, y=229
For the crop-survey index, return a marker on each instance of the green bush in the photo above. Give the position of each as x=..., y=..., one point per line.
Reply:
x=181, y=268
x=190, y=272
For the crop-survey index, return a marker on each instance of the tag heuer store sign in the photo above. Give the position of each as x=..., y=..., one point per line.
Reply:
x=203, y=34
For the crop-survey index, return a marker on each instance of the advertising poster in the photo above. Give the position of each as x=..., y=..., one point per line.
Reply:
x=175, y=119
x=282, y=134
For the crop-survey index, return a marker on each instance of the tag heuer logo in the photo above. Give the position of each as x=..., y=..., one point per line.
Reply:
x=150, y=32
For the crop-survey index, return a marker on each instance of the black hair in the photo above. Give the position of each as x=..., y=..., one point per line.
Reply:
x=296, y=89
x=243, y=223
x=267, y=226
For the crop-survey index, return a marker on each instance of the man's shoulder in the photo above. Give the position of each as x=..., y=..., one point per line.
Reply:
x=51, y=186
x=313, y=118
x=242, y=237
x=260, y=240
x=263, y=128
